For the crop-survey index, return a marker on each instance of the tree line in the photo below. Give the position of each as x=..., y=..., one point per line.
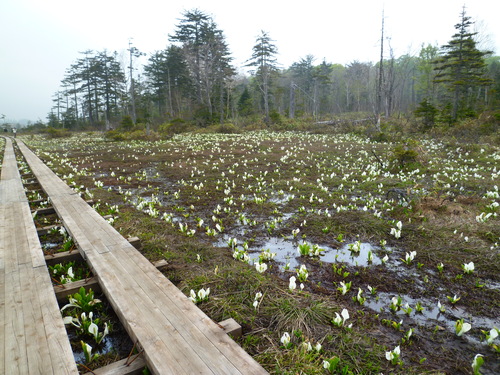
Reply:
x=193, y=79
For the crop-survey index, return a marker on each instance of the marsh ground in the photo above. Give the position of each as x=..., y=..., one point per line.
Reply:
x=210, y=204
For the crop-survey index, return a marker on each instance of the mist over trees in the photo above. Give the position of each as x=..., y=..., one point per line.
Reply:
x=193, y=80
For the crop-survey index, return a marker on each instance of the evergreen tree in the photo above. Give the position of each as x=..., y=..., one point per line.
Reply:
x=52, y=120
x=461, y=68
x=217, y=70
x=180, y=84
x=304, y=84
x=190, y=33
x=156, y=73
x=322, y=78
x=264, y=59
x=208, y=59
x=111, y=82
x=70, y=83
x=245, y=105
x=427, y=112
x=97, y=82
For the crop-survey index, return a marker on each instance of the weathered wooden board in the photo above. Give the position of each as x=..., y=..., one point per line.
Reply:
x=127, y=366
x=32, y=334
x=63, y=291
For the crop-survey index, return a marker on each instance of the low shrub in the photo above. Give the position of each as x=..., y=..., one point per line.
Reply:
x=114, y=135
x=407, y=156
x=227, y=128
x=139, y=134
x=176, y=126
x=57, y=133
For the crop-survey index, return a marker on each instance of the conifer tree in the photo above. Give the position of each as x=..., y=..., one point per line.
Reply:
x=264, y=58
x=245, y=103
x=208, y=58
x=191, y=32
x=168, y=79
x=461, y=69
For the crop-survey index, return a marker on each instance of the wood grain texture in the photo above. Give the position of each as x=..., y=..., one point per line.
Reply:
x=32, y=333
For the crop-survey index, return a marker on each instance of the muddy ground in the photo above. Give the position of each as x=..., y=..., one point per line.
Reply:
x=201, y=201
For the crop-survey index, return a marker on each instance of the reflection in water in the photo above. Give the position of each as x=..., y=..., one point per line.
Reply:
x=287, y=253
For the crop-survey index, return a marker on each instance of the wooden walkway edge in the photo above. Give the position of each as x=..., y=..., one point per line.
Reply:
x=176, y=336
x=32, y=333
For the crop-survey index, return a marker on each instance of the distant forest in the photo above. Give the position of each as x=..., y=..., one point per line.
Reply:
x=193, y=80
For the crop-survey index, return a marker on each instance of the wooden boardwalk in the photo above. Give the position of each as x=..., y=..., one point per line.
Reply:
x=33, y=339
x=176, y=336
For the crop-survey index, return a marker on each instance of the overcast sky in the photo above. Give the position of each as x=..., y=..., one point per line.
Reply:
x=40, y=39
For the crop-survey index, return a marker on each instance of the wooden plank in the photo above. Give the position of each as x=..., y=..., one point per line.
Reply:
x=3, y=249
x=87, y=233
x=160, y=263
x=187, y=336
x=2, y=285
x=64, y=290
x=33, y=201
x=74, y=230
x=231, y=327
x=61, y=355
x=197, y=327
x=36, y=341
x=43, y=173
x=65, y=256
x=96, y=226
x=142, y=310
x=33, y=242
x=18, y=233
x=75, y=256
x=142, y=320
x=135, y=242
x=44, y=230
x=108, y=263
x=181, y=306
x=43, y=211
x=121, y=367
x=25, y=303
x=16, y=358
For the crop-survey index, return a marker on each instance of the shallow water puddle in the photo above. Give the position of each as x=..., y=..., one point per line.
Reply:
x=117, y=344
x=430, y=315
x=51, y=245
x=358, y=258
x=281, y=199
x=287, y=255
